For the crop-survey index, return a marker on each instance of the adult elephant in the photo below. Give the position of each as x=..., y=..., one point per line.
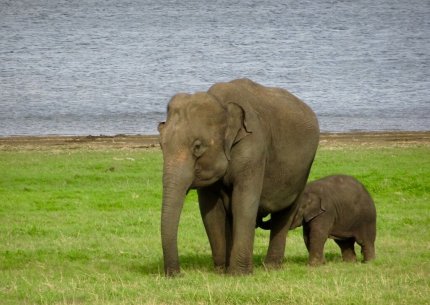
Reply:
x=248, y=150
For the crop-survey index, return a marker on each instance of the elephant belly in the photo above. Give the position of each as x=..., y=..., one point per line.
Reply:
x=340, y=236
x=274, y=202
x=341, y=232
x=283, y=183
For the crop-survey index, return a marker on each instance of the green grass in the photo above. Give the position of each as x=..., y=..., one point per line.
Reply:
x=82, y=227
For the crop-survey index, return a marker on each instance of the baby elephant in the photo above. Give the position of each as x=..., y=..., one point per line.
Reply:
x=337, y=207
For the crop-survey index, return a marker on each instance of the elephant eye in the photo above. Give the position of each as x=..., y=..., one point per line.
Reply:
x=198, y=148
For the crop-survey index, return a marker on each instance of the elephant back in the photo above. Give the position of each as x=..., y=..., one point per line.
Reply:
x=276, y=108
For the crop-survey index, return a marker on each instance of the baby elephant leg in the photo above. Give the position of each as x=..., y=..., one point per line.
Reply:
x=315, y=244
x=368, y=251
x=366, y=239
x=316, y=251
x=347, y=249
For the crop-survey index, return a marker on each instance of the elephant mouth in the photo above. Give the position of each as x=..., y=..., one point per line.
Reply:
x=205, y=178
x=200, y=182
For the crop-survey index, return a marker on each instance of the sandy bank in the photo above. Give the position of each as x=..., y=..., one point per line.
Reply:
x=331, y=140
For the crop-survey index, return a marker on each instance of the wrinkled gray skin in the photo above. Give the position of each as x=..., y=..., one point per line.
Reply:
x=247, y=149
x=337, y=207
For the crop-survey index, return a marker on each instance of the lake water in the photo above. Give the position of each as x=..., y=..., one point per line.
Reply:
x=109, y=67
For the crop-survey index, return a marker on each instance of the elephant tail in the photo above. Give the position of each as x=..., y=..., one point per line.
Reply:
x=265, y=225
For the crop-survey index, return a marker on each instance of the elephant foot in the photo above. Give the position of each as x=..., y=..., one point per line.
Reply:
x=368, y=259
x=246, y=270
x=349, y=260
x=348, y=255
x=315, y=262
x=172, y=272
x=273, y=262
x=368, y=252
x=220, y=269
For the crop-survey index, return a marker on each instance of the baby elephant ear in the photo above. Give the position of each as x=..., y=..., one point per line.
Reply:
x=236, y=127
x=313, y=208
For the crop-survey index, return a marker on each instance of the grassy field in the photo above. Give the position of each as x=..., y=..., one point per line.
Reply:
x=82, y=227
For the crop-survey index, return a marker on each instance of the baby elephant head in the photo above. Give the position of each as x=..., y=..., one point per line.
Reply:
x=310, y=206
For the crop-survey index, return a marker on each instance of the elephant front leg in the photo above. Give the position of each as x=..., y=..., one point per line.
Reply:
x=217, y=225
x=317, y=239
x=244, y=209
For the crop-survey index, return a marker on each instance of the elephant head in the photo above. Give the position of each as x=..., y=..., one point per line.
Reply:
x=309, y=206
x=196, y=141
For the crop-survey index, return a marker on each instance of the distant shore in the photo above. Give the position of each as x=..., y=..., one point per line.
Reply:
x=372, y=139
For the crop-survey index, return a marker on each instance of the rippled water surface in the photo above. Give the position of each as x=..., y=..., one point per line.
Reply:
x=109, y=67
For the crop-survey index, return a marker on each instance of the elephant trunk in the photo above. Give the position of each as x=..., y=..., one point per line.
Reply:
x=299, y=217
x=297, y=220
x=176, y=181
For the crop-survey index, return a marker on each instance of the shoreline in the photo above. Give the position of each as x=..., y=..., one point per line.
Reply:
x=121, y=141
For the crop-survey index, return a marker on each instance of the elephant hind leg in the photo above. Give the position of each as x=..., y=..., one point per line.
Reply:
x=366, y=240
x=278, y=236
x=368, y=251
x=347, y=249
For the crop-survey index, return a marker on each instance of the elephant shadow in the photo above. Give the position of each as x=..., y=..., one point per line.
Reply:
x=299, y=260
x=330, y=257
x=201, y=262
x=204, y=263
x=288, y=260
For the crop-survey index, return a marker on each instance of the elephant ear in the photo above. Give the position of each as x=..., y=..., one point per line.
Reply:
x=237, y=127
x=312, y=208
x=161, y=126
